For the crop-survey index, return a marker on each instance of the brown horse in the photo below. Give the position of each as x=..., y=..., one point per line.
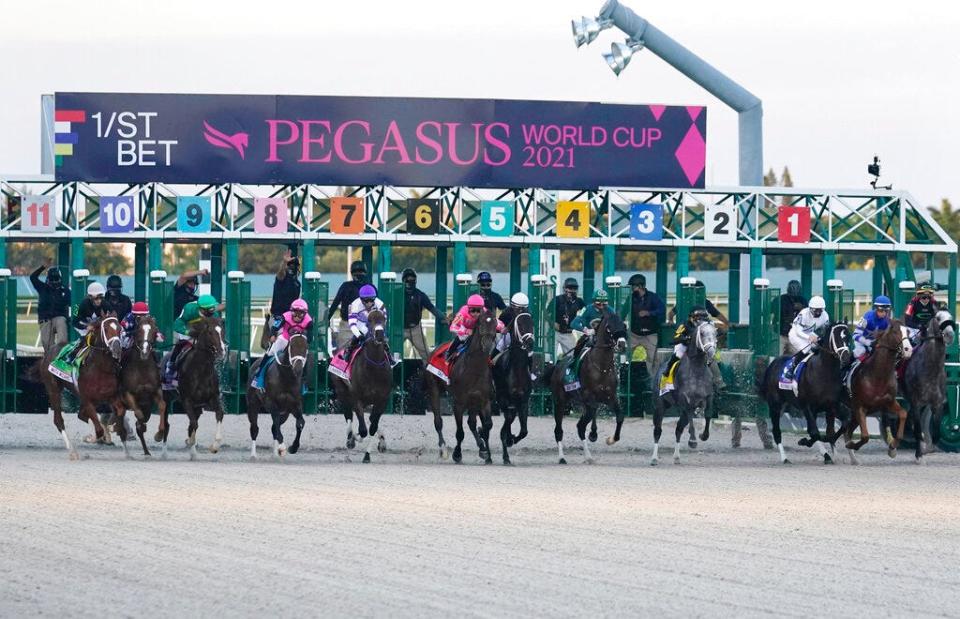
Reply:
x=874, y=387
x=97, y=381
x=282, y=394
x=198, y=387
x=371, y=383
x=140, y=378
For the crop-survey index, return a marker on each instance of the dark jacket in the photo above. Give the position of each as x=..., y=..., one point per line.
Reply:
x=918, y=315
x=87, y=313
x=285, y=292
x=348, y=292
x=565, y=310
x=414, y=302
x=181, y=296
x=53, y=302
x=790, y=306
x=121, y=305
x=649, y=302
x=493, y=301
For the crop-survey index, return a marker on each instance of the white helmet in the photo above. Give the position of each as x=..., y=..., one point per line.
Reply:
x=520, y=300
x=817, y=302
x=96, y=289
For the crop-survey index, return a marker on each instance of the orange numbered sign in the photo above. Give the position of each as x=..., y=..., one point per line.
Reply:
x=346, y=215
x=573, y=219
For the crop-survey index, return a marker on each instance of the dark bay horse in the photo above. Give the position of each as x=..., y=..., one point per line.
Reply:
x=470, y=389
x=512, y=383
x=140, y=377
x=97, y=382
x=371, y=383
x=874, y=388
x=925, y=379
x=282, y=394
x=820, y=389
x=598, y=384
x=199, y=383
x=693, y=388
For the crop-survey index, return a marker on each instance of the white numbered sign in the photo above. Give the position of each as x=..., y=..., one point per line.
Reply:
x=720, y=222
x=38, y=214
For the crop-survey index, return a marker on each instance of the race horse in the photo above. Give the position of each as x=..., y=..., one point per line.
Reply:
x=925, y=379
x=470, y=389
x=282, y=394
x=598, y=378
x=512, y=382
x=819, y=389
x=693, y=388
x=370, y=385
x=873, y=388
x=97, y=383
x=140, y=378
x=198, y=386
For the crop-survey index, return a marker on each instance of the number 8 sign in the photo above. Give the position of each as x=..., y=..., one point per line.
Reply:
x=270, y=215
x=193, y=214
x=116, y=214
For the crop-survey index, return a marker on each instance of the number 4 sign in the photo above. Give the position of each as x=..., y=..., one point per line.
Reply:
x=720, y=222
x=573, y=219
x=37, y=214
x=793, y=224
x=270, y=215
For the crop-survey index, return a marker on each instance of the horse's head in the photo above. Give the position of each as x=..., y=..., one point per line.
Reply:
x=895, y=338
x=208, y=334
x=837, y=337
x=297, y=348
x=106, y=334
x=145, y=336
x=375, y=322
x=612, y=331
x=944, y=325
x=706, y=338
x=523, y=331
x=485, y=331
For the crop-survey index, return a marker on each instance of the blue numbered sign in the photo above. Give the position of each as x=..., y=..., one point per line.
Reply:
x=646, y=222
x=193, y=214
x=116, y=214
x=496, y=217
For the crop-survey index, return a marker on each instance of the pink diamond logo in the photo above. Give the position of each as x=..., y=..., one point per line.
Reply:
x=657, y=111
x=692, y=154
x=694, y=111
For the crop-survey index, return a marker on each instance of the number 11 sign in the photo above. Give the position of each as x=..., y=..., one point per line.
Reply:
x=793, y=224
x=38, y=214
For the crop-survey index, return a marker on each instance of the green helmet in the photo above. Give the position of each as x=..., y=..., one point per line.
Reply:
x=207, y=302
x=600, y=295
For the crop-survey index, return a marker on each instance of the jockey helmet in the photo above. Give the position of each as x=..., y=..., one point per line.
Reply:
x=571, y=284
x=600, y=296
x=882, y=302
x=368, y=293
x=95, y=289
x=140, y=308
x=817, y=302
x=698, y=312
x=298, y=306
x=53, y=275
x=484, y=278
x=207, y=302
x=114, y=283
x=408, y=273
x=637, y=279
x=794, y=289
x=475, y=300
x=519, y=300
x=357, y=266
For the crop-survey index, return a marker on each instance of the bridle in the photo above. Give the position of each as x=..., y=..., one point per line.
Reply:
x=838, y=350
x=291, y=358
x=521, y=337
x=699, y=338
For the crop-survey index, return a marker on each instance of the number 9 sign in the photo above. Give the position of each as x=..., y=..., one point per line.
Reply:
x=720, y=222
x=423, y=216
x=193, y=213
x=646, y=222
x=116, y=214
x=270, y=215
x=496, y=217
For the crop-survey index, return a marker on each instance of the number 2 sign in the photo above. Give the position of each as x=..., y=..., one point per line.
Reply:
x=116, y=214
x=193, y=213
x=720, y=222
x=38, y=214
x=270, y=215
x=793, y=224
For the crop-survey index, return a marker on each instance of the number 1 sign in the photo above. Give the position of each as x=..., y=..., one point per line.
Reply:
x=37, y=214
x=720, y=222
x=269, y=215
x=793, y=224
x=116, y=214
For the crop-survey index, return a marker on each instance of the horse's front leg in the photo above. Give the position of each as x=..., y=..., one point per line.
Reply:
x=559, y=409
x=56, y=403
x=218, y=437
x=486, y=425
x=119, y=416
x=506, y=437
x=375, y=413
x=193, y=412
x=901, y=424
x=682, y=421
x=618, y=410
x=458, y=418
x=522, y=412
x=279, y=447
x=301, y=422
x=587, y=418
x=89, y=412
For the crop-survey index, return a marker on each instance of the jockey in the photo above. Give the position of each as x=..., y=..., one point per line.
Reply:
x=921, y=309
x=357, y=318
x=589, y=319
x=682, y=338
x=297, y=318
x=876, y=319
x=90, y=310
x=193, y=312
x=807, y=329
x=518, y=305
x=464, y=321
x=129, y=323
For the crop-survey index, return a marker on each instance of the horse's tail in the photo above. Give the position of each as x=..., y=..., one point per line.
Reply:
x=760, y=372
x=33, y=374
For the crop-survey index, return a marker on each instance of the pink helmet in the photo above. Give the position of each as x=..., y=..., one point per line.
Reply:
x=298, y=306
x=475, y=300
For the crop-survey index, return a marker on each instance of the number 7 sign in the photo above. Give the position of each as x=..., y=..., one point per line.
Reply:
x=346, y=215
x=793, y=224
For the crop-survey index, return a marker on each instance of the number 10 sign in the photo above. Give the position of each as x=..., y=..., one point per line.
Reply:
x=116, y=214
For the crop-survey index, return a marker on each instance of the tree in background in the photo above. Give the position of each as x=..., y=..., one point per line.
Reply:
x=948, y=218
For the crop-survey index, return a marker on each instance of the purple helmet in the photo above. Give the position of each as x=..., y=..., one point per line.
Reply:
x=368, y=292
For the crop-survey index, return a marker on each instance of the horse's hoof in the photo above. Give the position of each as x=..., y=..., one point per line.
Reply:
x=805, y=442
x=849, y=445
x=588, y=461
x=704, y=436
x=692, y=444
x=654, y=461
x=787, y=461
x=920, y=461
x=676, y=459
x=488, y=461
x=457, y=456
x=593, y=437
x=214, y=449
x=562, y=461
x=444, y=453
x=515, y=439
x=193, y=456
x=827, y=459
x=294, y=448
x=382, y=446
x=610, y=440
x=73, y=455
x=892, y=452
x=90, y=439
x=158, y=437
x=507, y=462
x=366, y=458
x=351, y=443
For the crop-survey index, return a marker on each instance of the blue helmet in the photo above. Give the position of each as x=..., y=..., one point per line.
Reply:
x=881, y=301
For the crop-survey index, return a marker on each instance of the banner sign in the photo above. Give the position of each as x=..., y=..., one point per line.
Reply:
x=260, y=139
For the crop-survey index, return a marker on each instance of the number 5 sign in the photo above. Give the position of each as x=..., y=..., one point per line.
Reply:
x=646, y=222
x=270, y=215
x=116, y=214
x=793, y=224
x=496, y=217
x=720, y=222
x=37, y=214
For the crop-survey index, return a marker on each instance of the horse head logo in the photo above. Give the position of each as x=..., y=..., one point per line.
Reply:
x=237, y=141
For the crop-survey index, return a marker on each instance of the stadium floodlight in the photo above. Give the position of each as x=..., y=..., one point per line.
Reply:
x=586, y=29
x=620, y=54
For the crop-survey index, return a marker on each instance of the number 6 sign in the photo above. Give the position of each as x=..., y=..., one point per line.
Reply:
x=193, y=213
x=423, y=216
x=720, y=222
x=270, y=215
x=37, y=214
x=793, y=224
x=496, y=217
x=116, y=214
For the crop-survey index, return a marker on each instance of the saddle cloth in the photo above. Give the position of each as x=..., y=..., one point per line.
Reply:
x=666, y=381
x=438, y=364
x=341, y=368
x=62, y=368
x=791, y=385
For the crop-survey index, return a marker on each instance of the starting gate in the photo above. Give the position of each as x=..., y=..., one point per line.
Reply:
x=903, y=296
x=391, y=292
x=317, y=293
x=78, y=291
x=234, y=376
x=765, y=319
x=161, y=306
x=542, y=298
x=840, y=302
x=8, y=342
x=689, y=296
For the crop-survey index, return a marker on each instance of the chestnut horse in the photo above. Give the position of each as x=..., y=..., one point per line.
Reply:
x=140, y=378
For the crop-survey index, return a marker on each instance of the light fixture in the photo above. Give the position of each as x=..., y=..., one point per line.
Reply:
x=586, y=29
x=620, y=54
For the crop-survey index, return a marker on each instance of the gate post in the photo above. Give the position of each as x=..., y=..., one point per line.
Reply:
x=609, y=262
x=733, y=288
x=516, y=275
x=238, y=341
x=384, y=259
x=905, y=292
x=834, y=298
x=8, y=342
x=441, y=296
x=685, y=297
x=140, y=271
x=462, y=290
x=78, y=290
x=161, y=305
x=315, y=294
x=544, y=350
x=589, y=271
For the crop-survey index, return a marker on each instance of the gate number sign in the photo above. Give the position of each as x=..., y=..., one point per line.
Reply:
x=496, y=217
x=720, y=222
x=270, y=215
x=573, y=219
x=37, y=214
x=346, y=215
x=193, y=214
x=423, y=216
x=793, y=224
x=646, y=222
x=116, y=214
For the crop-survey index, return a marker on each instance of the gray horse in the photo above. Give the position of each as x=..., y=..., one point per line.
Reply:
x=925, y=379
x=693, y=390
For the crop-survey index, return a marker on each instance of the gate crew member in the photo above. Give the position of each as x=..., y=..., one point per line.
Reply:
x=348, y=292
x=647, y=312
x=414, y=302
x=53, y=307
x=185, y=290
x=491, y=300
x=791, y=304
x=565, y=308
x=286, y=286
x=115, y=301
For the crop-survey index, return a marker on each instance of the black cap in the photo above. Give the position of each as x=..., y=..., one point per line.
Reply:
x=358, y=266
x=114, y=281
x=53, y=274
x=571, y=283
x=294, y=262
x=484, y=277
x=638, y=279
x=408, y=272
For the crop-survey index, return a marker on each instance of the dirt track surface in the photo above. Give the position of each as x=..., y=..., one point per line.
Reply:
x=727, y=531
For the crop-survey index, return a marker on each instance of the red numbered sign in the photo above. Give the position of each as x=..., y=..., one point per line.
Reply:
x=269, y=215
x=346, y=215
x=793, y=224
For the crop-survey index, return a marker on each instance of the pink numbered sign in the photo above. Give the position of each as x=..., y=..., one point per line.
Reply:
x=270, y=215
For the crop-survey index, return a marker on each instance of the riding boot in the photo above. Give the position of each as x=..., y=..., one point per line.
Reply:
x=171, y=369
x=794, y=360
x=450, y=354
x=349, y=348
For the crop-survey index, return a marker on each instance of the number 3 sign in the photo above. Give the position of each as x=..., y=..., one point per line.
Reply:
x=720, y=222
x=646, y=222
x=193, y=214
x=270, y=215
x=793, y=224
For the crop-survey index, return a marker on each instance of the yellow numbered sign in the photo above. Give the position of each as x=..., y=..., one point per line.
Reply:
x=573, y=219
x=423, y=216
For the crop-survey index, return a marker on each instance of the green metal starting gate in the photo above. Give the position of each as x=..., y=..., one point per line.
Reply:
x=689, y=296
x=78, y=291
x=8, y=342
x=161, y=306
x=234, y=375
x=840, y=302
x=765, y=319
x=317, y=294
x=391, y=292
x=542, y=296
x=903, y=296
